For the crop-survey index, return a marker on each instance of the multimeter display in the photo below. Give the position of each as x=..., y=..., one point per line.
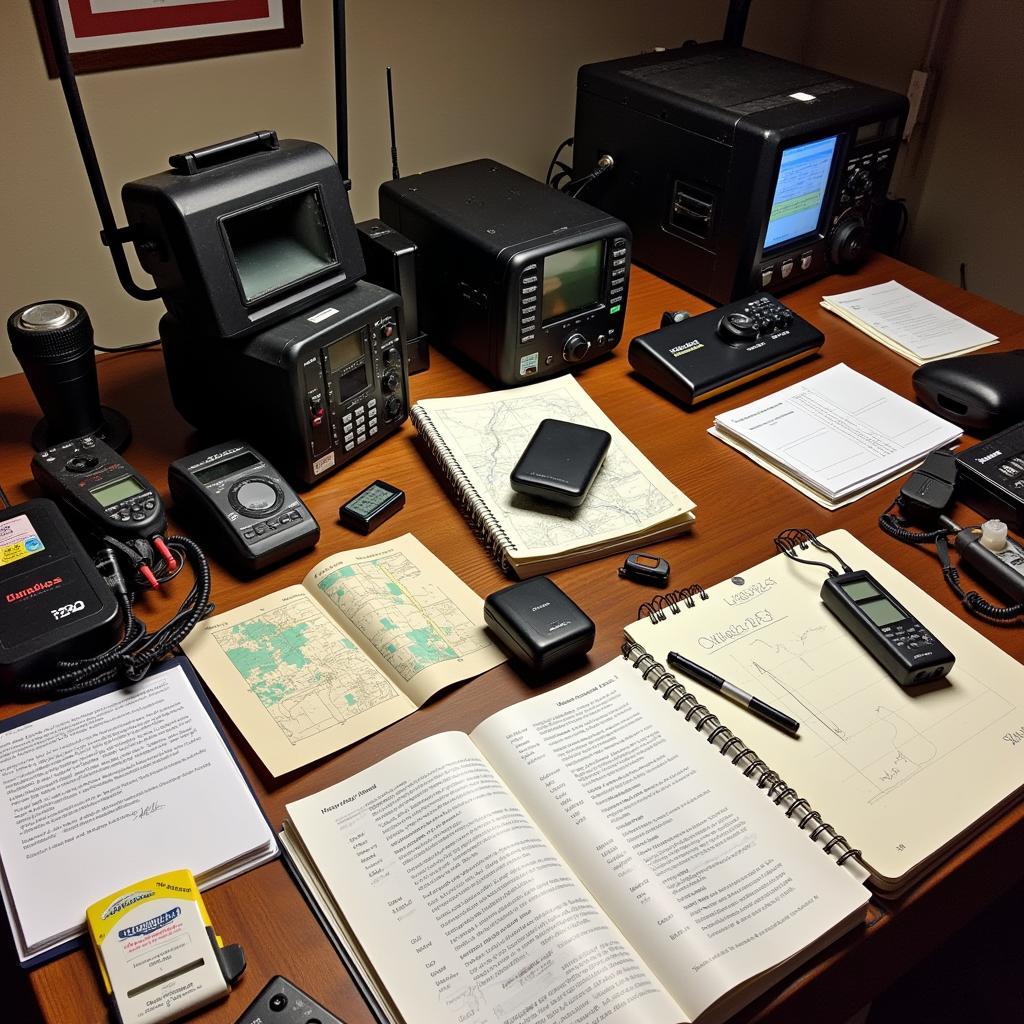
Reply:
x=109, y=494
x=226, y=468
x=878, y=608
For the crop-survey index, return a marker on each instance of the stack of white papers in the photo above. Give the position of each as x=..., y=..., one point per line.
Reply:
x=907, y=323
x=835, y=436
x=98, y=793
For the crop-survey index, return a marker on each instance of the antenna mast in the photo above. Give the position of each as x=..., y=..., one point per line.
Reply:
x=391, y=116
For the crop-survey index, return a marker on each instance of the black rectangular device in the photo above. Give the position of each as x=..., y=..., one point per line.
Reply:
x=53, y=601
x=538, y=624
x=314, y=391
x=561, y=462
x=990, y=477
x=371, y=507
x=240, y=234
x=281, y=1002
x=886, y=630
x=391, y=263
x=703, y=356
x=736, y=171
x=232, y=497
x=521, y=280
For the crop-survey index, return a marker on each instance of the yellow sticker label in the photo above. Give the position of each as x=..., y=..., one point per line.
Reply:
x=18, y=539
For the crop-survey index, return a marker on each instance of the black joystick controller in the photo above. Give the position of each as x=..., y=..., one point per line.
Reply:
x=53, y=342
x=760, y=317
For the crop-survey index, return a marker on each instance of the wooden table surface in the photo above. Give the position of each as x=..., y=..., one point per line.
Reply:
x=740, y=508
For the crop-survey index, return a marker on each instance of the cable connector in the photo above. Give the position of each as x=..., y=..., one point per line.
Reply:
x=164, y=552
x=108, y=567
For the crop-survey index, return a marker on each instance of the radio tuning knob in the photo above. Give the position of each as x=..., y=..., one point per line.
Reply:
x=392, y=408
x=389, y=382
x=576, y=347
x=737, y=327
x=848, y=243
x=391, y=357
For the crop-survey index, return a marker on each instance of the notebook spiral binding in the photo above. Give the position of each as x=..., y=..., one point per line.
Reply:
x=729, y=744
x=473, y=507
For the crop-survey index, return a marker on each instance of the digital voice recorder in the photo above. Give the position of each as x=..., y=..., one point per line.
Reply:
x=890, y=634
x=236, y=498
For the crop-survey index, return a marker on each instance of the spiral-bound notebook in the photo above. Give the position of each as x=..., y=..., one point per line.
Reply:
x=477, y=440
x=905, y=776
x=580, y=856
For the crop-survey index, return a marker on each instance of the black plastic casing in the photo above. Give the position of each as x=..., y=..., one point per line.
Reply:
x=990, y=476
x=250, y=541
x=177, y=224
x=281, y=1002
x=391, y=263
x=697, y=133
x=981, y=393
x=277, y=389
x=691, y=362
x=482, y=232
x=908, y=663
x=53, y=603
x=561, y=462
x=539, y=625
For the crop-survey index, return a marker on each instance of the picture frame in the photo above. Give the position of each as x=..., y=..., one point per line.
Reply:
x=107, y=35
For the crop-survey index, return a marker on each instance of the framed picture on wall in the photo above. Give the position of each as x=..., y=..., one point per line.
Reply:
x=107, y=34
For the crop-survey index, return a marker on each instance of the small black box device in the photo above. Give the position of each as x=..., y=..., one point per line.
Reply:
x=391, y=263
x=736, y=170
x=561, y=462
x=240, y=234
x=315, y=391
x=706, y=355
x=990, y=477
x=538, y=624
x=522, y=280
x=982, y=393
x=371, y=507
x=281, y=1002
x=233, y=497
x=53, y=601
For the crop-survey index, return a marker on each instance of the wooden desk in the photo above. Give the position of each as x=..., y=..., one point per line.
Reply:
x=740, y=508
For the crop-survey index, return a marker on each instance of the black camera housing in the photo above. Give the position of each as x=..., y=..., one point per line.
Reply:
x=240, y=235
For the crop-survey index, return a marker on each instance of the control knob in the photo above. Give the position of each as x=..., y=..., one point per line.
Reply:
x=392, y=408
x=848, y=242
x=389, y=382
x=576, y=348
x=391, y=357
x=736, y=328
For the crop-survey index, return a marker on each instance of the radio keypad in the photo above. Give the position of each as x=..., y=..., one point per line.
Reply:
x=528, y=287
x=619, y=261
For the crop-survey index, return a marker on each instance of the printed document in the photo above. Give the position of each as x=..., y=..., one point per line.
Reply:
x=836, y=435
x=907, y=323
x=97, y=793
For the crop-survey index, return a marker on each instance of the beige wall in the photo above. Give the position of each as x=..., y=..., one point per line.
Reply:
x=473, y=78
x=478, y=78
x=963, y=176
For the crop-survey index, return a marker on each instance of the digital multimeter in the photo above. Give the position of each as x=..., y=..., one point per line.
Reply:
x=100, y=488
x=234, y=496
x=893, y=637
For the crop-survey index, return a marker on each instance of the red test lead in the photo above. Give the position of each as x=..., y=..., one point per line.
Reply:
x=165, y=553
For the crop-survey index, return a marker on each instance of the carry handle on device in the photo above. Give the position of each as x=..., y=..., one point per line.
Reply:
x=220, y=153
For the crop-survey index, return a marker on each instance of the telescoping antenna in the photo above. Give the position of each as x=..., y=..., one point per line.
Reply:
x=391, y=117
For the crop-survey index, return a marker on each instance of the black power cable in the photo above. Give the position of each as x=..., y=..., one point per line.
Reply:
x=130, y=658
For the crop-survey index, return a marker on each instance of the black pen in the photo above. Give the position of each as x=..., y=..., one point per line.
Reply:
x=733, y=692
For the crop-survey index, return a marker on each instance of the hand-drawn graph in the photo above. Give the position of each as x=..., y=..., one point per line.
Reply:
x=863, y=730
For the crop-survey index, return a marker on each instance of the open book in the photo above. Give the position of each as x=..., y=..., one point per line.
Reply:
x=476, y=442
x=582, y=856
x=905, y=774
x=366, y=638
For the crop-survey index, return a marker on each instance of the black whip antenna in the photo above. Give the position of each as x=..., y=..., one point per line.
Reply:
x=111, y=235
x=391, y=117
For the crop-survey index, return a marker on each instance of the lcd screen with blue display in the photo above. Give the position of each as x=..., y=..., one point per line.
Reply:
x=804, y=173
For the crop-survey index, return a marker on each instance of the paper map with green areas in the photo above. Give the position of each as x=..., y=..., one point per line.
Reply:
x=412, y=623
x=307, y=676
